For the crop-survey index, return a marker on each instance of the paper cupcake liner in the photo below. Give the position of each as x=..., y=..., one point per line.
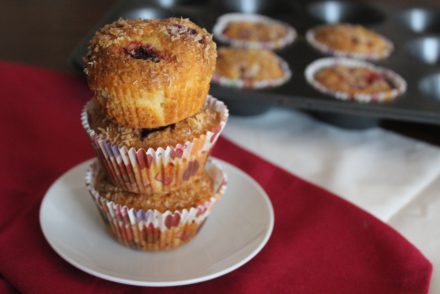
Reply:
x=223, y=21
x=249, y=84
x=152, y=230
x=314, y=67
x=140, y=170
x=325, y=49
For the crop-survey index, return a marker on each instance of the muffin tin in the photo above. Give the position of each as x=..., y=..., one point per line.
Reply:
x=415, y=33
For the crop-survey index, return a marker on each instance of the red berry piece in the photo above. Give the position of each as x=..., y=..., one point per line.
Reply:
x=354, y=40
x=372, y=77
x=142, y=51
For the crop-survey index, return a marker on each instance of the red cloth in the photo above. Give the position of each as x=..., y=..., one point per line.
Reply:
x=320, y=243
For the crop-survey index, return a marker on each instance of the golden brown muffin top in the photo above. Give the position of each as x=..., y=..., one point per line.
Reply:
x=354, y=80
x=147, y=54
x=255, y=31
x=198, y=192
x=192, y=127
x=156, y=40
x=351, y=38
x=248, y=64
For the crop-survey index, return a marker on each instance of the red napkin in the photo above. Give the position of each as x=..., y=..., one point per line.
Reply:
x=320, y=243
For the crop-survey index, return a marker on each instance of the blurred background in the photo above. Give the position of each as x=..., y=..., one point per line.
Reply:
x=45, y=33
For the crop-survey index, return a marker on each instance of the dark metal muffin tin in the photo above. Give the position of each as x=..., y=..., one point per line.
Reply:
x=415, y=33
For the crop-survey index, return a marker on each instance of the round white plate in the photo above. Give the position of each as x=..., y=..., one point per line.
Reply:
x=238, y=228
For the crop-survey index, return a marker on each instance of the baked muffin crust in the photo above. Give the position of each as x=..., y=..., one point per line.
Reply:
x=255, y=31
x=248, y=64
x=191, y=127
x=352, y=39
x=198, y=192
x=354, y=80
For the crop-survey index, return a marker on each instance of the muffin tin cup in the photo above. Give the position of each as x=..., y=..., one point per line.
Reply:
x=152, y=230
x=325, y=49
x=160, y=170
x=248, y=84
x=225, y=19
x=314, y=67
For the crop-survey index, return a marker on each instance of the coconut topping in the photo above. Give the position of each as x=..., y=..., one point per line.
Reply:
x=352, y=39
x=354, y=80
x=196, y=193
x=248, y=64
x=194, y=126
x=255, y=31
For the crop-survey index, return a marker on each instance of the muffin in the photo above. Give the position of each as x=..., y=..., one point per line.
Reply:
x=250, y=68
x=354, y=80
x=253, y=31
x=348, y=40
x=155, y=160
x=156, y=221
x=150, y=73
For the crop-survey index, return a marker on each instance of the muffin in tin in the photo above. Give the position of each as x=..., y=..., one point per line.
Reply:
x=253, y=31
x=351, y=79
x=347, y=40
x=250, y=68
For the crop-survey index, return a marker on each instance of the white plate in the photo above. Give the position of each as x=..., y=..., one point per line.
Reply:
x=238, y=228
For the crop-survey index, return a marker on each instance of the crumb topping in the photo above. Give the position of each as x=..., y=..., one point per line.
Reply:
x=139, y=70
x=351, y=38
x=192, y=127
x=248, y=64
x=200, y=190
x=255, y=31
x=125, y=31
x=354, y=80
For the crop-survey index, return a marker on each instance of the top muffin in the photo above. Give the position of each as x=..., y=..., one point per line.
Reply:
x=350, y=40
x=150, y=73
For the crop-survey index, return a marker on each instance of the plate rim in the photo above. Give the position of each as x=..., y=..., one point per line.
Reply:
x=182, y=282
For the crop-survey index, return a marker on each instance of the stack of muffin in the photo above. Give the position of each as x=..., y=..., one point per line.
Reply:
x=153, y=125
